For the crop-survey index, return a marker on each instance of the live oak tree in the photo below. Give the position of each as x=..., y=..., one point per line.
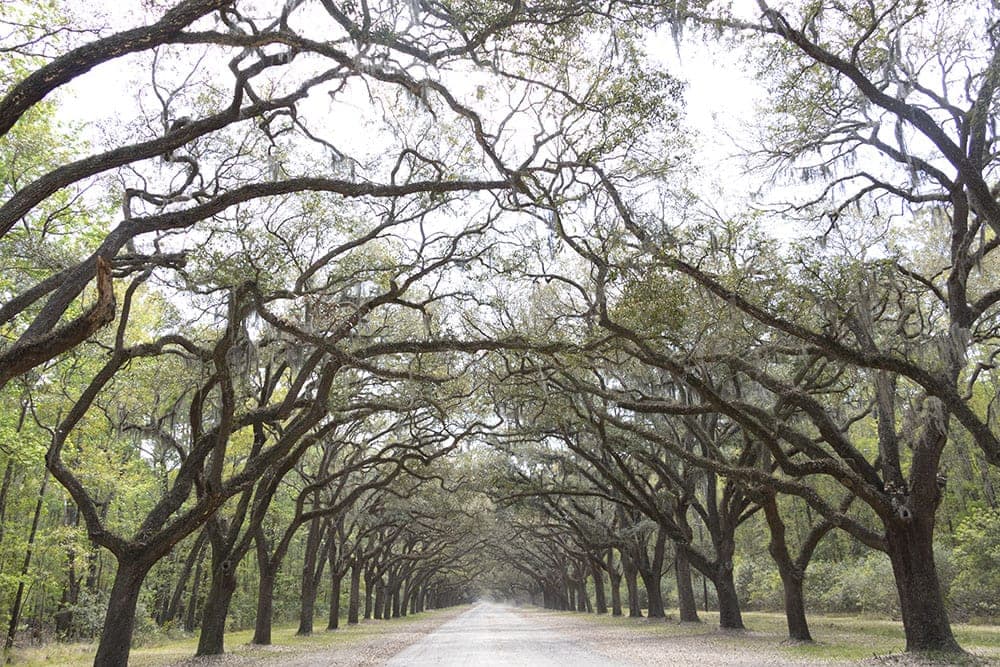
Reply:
x=203, y=306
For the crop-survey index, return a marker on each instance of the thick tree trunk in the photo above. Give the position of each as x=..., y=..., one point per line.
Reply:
x=615, y=579
x=119, y=621
x=396, y=611
x=632, y=585
x=265, y=607
x=925, y=621
x=795, y=606
x=582, y=599
x=334, y=621
x=369, y=593
x=379, y=599
x=211, y=640
x=600, y=599
x=390, y=596
x=354, y=604
x=792, y=575
x=414, y=599
x=654, y=605
x=310, y=579
x=730, y=617
x=686, y=603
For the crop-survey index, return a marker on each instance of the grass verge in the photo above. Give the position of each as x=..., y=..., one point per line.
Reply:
x=837, y=638
x=169, y=651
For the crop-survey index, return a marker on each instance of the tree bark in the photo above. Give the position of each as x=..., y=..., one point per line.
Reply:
x=582, y=599
x=795, y=606
x=265, y=607
x=730, y=617
x=632, y=585
x=600, y=598
x=334, y=621
x=355, y=600
x=651, y=572
x=119, y=621
x=925, y=621
x=686, y=602
x=379, y=599
x=211, y=640
x=310, y=579
x=792, y=575
x=615, y=579
x=369, y=593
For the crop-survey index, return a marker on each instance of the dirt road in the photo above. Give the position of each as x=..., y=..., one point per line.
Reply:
x=492, y=635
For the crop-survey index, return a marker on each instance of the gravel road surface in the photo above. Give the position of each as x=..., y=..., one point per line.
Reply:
x=492, y=635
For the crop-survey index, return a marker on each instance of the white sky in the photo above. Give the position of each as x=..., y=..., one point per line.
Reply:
x=720, y=96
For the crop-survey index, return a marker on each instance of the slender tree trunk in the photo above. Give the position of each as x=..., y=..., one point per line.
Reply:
x=71, y=591
x=355, y=599
x=925, y=621
x=15, y=607
x=119, y=621
x=8, y=475
x=191, y=617
x=176, y=600
x=686, y=603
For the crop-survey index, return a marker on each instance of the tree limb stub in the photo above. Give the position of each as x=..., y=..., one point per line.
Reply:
x=27, y=354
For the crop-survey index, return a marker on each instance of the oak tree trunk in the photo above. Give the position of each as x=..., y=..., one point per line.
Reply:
x=334, y=621
x=265, y=607
x=354, y=604
x=686, y=603
x=119, y=621
x=925, y=621
x=211, y=640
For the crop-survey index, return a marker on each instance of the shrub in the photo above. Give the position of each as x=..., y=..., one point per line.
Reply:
x=977, y=563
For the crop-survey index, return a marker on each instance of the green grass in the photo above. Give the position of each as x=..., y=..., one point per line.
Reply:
x=167, y=651
x=836, y=637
